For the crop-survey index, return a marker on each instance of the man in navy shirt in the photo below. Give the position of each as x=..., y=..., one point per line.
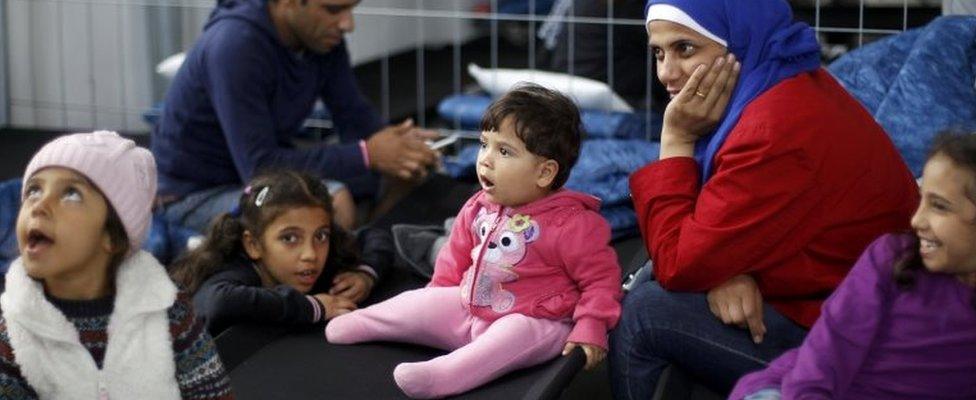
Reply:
x=243, y=93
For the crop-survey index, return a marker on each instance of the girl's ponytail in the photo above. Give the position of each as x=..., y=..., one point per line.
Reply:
x=222, y=243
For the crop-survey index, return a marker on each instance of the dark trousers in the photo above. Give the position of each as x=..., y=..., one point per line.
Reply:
x=659, y=327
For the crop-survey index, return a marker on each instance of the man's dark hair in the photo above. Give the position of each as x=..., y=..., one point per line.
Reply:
x=547, y=122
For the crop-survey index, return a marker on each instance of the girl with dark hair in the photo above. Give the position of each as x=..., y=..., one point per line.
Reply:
x=279, y=257
x=903, y=322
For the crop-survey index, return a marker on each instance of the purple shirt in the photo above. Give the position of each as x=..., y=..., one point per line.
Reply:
x=876, y=341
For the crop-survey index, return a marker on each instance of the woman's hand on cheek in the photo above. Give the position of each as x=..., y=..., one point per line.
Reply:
x=699, y=107
x=354, y=286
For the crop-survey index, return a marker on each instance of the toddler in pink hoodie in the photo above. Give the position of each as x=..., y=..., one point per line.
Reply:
x=527, y=272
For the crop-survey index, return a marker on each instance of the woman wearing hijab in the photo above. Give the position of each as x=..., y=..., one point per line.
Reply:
x=771, y=181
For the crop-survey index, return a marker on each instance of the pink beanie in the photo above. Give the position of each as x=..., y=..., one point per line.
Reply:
x=124, y=172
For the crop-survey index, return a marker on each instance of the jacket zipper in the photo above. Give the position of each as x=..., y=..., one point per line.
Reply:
x=481, y=254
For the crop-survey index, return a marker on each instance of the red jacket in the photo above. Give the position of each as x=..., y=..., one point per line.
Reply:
x=804, y=182
x=547, y=259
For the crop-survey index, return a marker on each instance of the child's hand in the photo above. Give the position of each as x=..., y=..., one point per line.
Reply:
x=594, y=354
x=334, y=305
x=354, y=285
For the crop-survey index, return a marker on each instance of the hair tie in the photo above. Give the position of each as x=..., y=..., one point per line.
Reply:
x=237, y=210
x=262, y=195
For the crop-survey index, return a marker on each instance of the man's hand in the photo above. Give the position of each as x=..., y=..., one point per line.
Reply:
x=354, y=286
x=738, y=302
x=594, y=354
x=399, y=151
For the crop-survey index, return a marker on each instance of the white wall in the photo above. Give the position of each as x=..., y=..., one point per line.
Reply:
x=75, y=65
x=84, y=64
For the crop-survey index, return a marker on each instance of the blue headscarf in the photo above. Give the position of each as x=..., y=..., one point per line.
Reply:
x=767, y=43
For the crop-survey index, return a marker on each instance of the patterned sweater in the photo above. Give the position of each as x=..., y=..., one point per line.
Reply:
x=199, y=371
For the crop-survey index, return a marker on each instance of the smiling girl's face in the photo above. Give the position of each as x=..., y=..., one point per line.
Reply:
x=944, y=221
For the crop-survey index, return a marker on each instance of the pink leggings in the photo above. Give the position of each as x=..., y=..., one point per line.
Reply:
x=434, y=317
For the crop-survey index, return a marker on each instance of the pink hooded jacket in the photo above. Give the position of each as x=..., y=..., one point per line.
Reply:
x=547, y=259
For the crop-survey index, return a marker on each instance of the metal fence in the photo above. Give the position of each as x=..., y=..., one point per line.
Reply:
x=86, y=64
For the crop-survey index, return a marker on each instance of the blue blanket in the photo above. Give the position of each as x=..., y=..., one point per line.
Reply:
x=605, y=165
x=917, y=83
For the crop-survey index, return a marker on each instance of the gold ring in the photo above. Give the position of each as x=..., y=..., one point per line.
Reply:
x=700, y=94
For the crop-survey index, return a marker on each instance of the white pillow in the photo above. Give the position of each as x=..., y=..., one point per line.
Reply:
x=170, y=65
x=587, y=93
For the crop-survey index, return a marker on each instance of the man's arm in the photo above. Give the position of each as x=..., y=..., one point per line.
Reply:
x=240, y=79
x=353, y=115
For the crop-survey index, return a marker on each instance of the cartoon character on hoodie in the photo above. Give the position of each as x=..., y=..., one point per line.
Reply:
x=503, y=252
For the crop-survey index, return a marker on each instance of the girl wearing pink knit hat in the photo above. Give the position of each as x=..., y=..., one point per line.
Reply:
x=86, y=313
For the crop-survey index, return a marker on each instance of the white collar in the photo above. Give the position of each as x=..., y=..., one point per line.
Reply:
x=141, y=286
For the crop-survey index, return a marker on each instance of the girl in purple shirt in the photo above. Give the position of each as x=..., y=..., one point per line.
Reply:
x=902, y=325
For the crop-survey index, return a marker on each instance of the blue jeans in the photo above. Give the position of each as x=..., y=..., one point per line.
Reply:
x=658, y=328
x=196, y=210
